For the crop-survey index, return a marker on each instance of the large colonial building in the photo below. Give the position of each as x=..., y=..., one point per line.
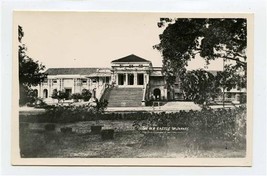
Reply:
x=131, y=81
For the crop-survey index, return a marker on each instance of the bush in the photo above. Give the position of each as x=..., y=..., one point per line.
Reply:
x=50, y=127
x=66, y=130
x=107, y=134
x=76, y=96
x=205, y=126
x=86, y=95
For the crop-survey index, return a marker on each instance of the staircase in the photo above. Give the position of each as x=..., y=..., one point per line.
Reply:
x=124, y=97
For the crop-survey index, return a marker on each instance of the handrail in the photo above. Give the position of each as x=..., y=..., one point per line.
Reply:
x=144, y=93
x=101, y=91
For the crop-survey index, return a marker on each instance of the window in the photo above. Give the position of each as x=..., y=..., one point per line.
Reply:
x=45, y=80
x=54, y=81
x=94, y=80
x=107, y=79
x=177, y=85
x=84, y=81
x=131, y=65
x=130, y=79
x=140, y=65
x=140, y=79
x=121, y=78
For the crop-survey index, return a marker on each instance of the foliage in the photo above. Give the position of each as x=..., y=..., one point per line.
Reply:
x=27, y=96
x=30, y=71
x=231, y=78
x=200, y=86
x=101, y=106
x=60, y=95
x=183, y=39
x=76, y=96
x=204, y=126
x=39, y=103
x=86, y=95
x=67, y=114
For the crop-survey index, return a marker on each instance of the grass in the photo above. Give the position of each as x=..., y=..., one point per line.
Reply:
x=35, y=142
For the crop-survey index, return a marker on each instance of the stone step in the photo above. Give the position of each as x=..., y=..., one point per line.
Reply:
x=125, y=97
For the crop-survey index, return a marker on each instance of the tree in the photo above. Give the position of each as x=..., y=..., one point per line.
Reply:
x=76, y=96
x=86, y=95
x=200, y=86
x=30, y=71
x=184, y=38
x=60, y=95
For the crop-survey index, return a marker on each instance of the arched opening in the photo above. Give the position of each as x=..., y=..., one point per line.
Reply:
x=94, y=93
x=35, y=93
x=156, y=93
x=55, y=93
x=45, y=93
x=169, y=96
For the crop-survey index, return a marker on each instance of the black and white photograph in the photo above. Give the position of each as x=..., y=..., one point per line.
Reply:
x=132, y=88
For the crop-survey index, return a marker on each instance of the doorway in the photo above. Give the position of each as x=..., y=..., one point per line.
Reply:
x=68, y=92
x=130, y=79
x=121, y=78
x=156, y=93
x=45, y=93
x=140, y=79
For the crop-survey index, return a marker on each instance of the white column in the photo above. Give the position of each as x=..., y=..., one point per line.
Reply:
x=61, y=84
x=49, y=94
x=40, y=90
x=135, y=78
x=58, y=84
x=73, y=85
x=117, y=79
x=147, y=78
x=126, y=80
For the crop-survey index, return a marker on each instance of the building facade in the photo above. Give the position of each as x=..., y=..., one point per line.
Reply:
x=131, y=81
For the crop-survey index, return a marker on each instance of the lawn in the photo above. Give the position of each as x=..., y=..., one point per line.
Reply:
x=35, y=141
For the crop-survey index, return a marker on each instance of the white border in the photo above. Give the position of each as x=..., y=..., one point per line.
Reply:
x=259, y=121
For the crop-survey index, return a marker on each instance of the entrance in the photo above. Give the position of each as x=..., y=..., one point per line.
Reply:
x=140, y=79
x=157, y=93
x=121, y=78
x=168, y=95
x=68, y=92
x=130, y=79
x=45, y=93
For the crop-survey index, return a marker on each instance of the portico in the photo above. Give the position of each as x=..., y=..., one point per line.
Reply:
x=131, y=71
x=133, y=79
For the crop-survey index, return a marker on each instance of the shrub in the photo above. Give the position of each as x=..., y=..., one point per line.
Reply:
x=60, y=95
x=205, y=126
x=107, y=134
x=50, y=127
x=66, y=130
x=86, y=95
x=76, y=96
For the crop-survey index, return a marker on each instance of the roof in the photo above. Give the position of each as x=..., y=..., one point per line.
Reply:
x=100, y=75
x=71, y=71
x=131, y=58
x=156, y=73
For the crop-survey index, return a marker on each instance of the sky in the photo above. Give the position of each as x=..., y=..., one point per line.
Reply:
x=91, y=39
